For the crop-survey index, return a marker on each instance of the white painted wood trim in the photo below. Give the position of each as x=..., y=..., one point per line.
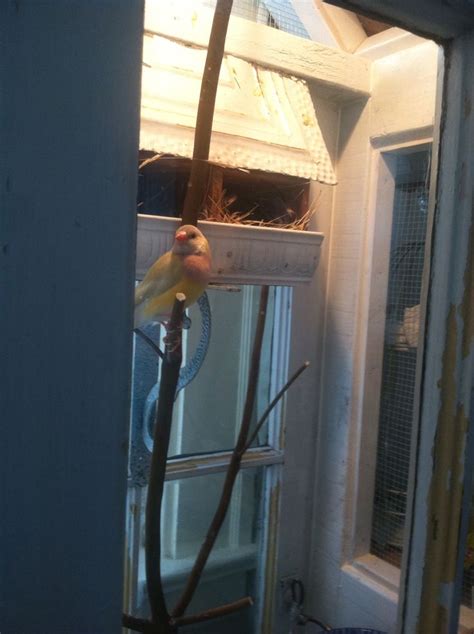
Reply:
x=372, y=317
x=263, y=119
x=345, y=26
x=380, y=571
x=314, y=22
x=345, y=75
x=241, y=254
x=388, y=42
x=180, y=468
x=404, y=95
x=370, y=341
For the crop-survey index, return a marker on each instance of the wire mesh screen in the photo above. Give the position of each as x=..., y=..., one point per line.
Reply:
x=279, y=14
x=400, y=346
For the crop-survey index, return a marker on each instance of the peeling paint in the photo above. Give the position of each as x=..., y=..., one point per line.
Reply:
x=445, y=497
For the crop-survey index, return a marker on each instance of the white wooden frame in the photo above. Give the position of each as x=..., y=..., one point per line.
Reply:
x=343, y=589
x=336, y=74
x=431, y=593
x=371, y=341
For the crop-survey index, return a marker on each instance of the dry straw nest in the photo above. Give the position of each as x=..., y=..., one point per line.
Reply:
x=219, y=211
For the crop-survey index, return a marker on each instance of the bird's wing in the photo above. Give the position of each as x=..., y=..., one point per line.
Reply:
x=161, y=276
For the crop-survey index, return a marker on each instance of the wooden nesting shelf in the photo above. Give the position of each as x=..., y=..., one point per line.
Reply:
x=241, y=254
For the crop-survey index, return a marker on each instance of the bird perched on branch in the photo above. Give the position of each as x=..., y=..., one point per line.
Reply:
x=186, y=268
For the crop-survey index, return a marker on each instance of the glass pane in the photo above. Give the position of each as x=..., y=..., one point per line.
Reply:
x=231, y=571
x=400, y=353
x=208, y=411
x=279, y=14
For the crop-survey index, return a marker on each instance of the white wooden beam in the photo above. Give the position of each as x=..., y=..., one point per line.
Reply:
x=404, y=89
x=337, y=74
x=315, y=23
x=345, y=26
x=430, y=18
x=388, y=42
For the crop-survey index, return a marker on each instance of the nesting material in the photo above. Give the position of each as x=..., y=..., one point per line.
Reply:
x=219, y=211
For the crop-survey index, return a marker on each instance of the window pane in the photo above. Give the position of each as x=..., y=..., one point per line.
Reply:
x=400, y=354
x=279, y=14
x=231, y=571
x=208, y=411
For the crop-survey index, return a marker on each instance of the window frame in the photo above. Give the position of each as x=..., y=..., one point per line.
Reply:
x=269, y=457
x=373, y=308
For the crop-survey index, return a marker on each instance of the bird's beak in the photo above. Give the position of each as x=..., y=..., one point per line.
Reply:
x=181, y=236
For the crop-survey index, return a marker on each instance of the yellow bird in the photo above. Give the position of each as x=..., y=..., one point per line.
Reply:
x=186, y=268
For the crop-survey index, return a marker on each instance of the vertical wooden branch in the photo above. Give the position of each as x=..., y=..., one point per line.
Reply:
x=161, y=437
x=234, y=464
x=198, y=180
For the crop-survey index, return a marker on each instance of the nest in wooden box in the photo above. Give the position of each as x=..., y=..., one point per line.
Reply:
x=235, y=196
x=223, y=211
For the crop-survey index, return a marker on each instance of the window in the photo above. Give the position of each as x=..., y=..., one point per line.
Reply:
x=206, y=422
x=399, y=348
x=279, y=14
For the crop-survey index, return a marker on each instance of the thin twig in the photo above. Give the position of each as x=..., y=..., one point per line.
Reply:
x=214, y=613
x=198, y=179
x=149, y=341
x=164, y=413
x=266, y=413
x=147, y=627
x=234, y=465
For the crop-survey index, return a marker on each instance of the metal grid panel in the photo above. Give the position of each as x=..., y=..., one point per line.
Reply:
x=279, y=14
x=400, y=355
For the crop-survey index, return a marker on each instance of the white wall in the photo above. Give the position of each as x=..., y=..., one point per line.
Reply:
x=303, y=399
x=69, y=111
x=401, y=110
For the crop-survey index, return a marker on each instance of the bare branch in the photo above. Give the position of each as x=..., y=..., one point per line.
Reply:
x=164, y=413
x=234, y=465
x=266, y=413
x=214, y=613
x=198, y=179
x=147, y=627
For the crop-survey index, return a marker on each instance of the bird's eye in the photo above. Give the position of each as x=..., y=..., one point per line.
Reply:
x=192, y=235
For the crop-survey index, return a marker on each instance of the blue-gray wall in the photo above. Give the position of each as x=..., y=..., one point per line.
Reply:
x=69, y=114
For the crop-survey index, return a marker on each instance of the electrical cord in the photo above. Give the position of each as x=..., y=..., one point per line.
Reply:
x=297, y=598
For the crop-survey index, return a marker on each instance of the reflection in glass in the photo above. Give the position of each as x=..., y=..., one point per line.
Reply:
x=208, y=411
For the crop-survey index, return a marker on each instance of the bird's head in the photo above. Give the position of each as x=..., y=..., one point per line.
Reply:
x=188, y=240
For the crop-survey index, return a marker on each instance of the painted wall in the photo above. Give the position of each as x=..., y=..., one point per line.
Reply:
x=401, y=110
x=69, y=112
x=303, y=400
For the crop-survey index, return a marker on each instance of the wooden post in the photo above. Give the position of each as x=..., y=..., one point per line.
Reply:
x=161, y=438
x=70, y=77
x=444, y=460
